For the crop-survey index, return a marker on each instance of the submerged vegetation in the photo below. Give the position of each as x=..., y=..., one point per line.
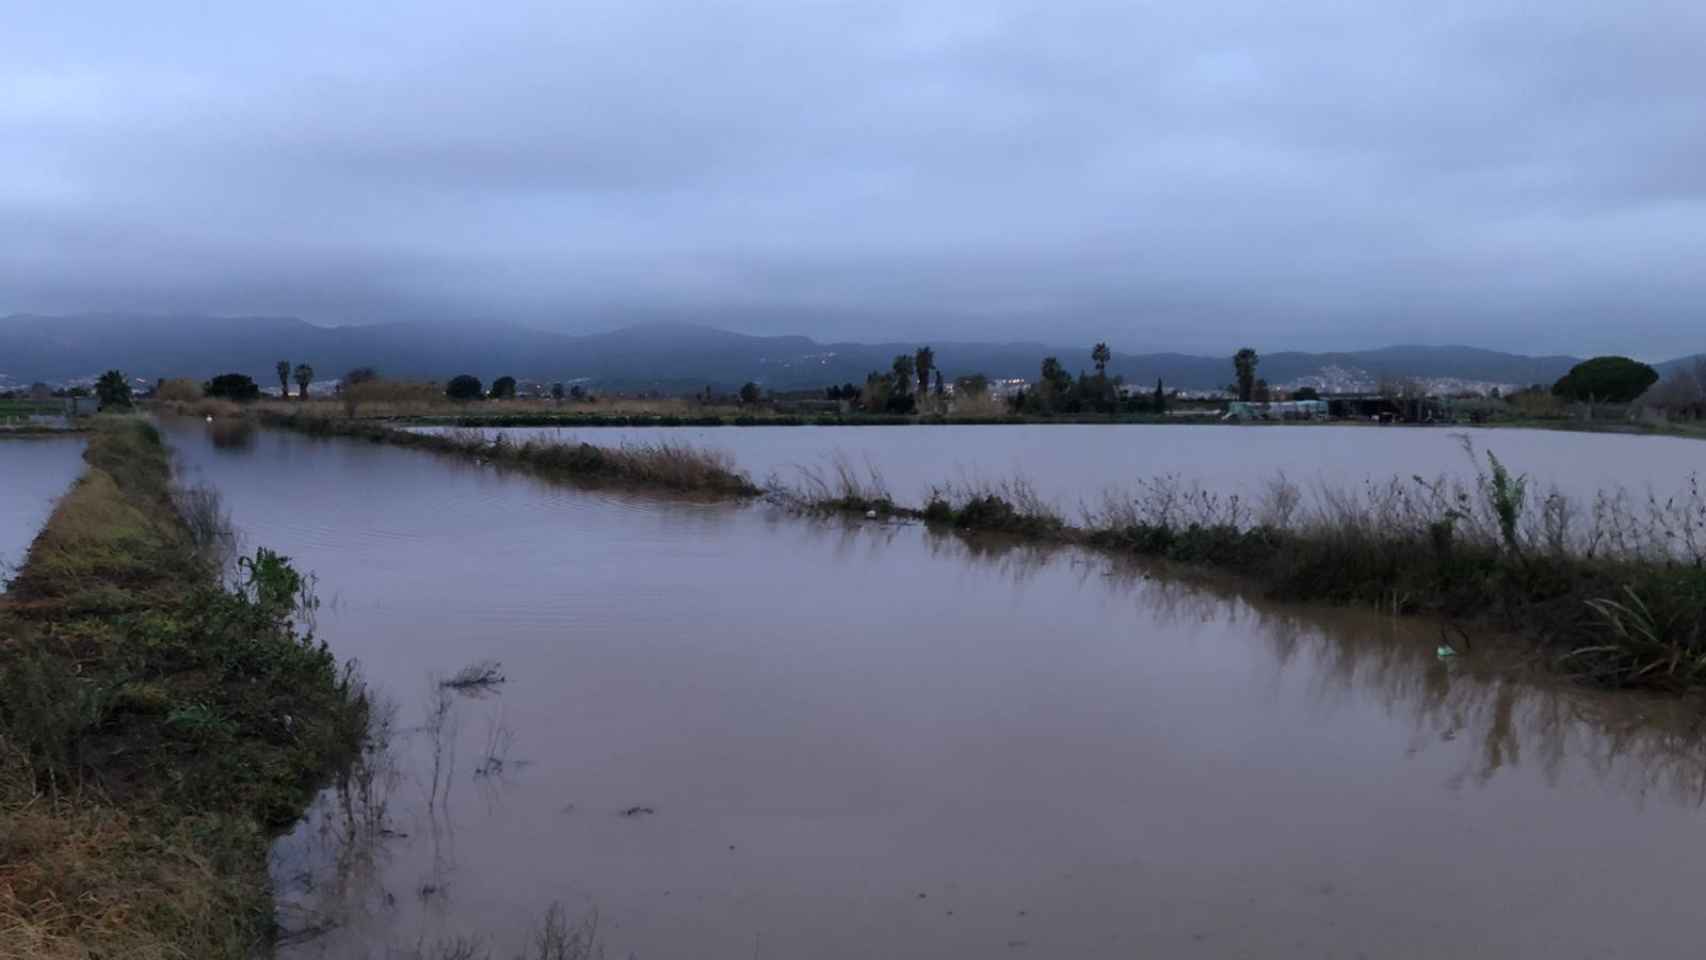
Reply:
x=1613, y=592
x=555, y=938
x=669, y=466
x=158, y=720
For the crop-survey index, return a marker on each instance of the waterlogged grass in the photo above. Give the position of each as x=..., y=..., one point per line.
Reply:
x=156, y=724
x=1613, y=591
x=555, y=938
x=669, y=466
x=841, y=486
x=1010, y=506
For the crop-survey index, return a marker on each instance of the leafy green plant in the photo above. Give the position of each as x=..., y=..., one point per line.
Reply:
x=201, y=721
x=273, y=585
x=113, y=390
x=1505, y=494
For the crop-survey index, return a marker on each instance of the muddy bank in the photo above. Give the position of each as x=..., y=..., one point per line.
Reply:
x=158, y=722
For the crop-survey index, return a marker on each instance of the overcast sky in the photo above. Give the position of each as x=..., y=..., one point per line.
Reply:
x=1165, y=175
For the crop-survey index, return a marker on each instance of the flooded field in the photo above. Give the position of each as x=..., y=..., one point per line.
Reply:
x=1073, y=464
x=736, y=733
x=33, y=473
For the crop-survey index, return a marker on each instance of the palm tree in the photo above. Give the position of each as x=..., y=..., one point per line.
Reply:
x=1244, y=362
x=903, y=371
x=304, y=376
x=924, y=360
x=1052, y=370
x=113, y=390
x=1101, y=356
x=283, y=368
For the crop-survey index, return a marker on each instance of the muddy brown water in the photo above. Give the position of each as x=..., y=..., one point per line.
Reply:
x=34, y=472
x=867, y=740
x=1078, y=464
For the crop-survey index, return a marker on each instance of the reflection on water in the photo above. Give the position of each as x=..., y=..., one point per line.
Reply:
x=736, y=732
x=329, y=872
x=34, y=471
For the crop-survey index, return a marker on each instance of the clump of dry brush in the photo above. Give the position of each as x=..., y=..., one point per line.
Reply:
x=1615, y=589
x=839, y=485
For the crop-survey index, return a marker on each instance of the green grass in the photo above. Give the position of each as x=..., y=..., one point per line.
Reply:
x=1689, y=429
x=25, y=408
x=15, y=418
x=157, y=726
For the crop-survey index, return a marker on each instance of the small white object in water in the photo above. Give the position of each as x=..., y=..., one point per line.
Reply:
x=210, y=419
x=870, y=514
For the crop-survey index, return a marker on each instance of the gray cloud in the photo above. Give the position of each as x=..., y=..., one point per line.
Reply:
x=1164, y=175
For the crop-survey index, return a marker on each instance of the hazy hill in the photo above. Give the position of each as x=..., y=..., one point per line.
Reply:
x=1671, y=365
x=661, y=356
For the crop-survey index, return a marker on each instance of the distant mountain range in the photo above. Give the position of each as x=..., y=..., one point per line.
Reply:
x=675, y=358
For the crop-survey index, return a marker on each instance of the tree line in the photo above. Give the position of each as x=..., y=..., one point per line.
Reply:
x=914, y=383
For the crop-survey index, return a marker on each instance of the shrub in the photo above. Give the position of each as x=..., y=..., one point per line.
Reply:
x=1606, y=380
x=233, y=386
x=113, y=390
x=1010, y=506
x=838, y=486
x=180, y=390
x=359, y=376
x=1683, y=393
x=464, y=387
x=389, y=395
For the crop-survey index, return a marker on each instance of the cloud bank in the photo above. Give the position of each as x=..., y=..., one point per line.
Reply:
x=1165, y=175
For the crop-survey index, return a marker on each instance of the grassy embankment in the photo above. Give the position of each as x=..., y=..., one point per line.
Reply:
x=157, y=726
x=1612, y=592
x=1687, y=429
x=668, y=466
